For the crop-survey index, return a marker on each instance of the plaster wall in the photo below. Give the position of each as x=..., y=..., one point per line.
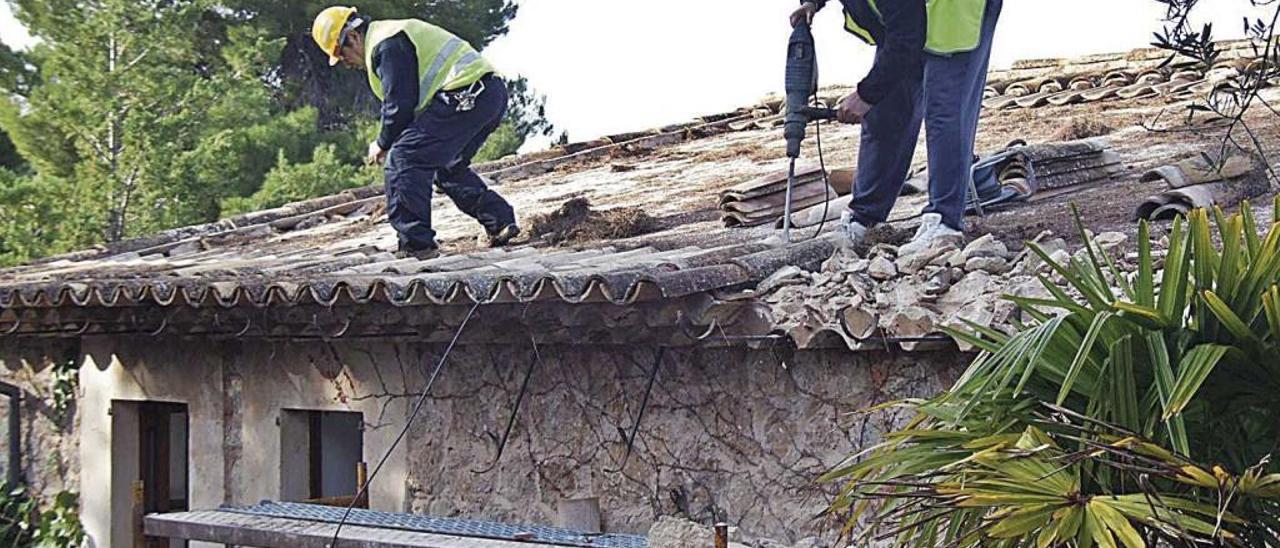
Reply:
x=235, y=395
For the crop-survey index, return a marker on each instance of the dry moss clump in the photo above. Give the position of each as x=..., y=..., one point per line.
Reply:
x=1082, y=128
x=575, y=221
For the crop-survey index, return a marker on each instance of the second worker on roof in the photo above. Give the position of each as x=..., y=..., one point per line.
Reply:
x=931, y=65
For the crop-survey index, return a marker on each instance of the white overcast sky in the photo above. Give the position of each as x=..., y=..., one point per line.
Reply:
x=611, y=66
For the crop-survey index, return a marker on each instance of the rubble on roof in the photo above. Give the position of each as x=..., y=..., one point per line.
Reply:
x=882, y=300
x=1018, y=173
x=1082, y=127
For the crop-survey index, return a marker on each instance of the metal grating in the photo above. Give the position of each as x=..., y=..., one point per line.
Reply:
x=442, y=526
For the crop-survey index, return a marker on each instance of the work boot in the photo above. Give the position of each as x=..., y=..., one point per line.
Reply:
x=931, y=234
x=422, y=254
x=502, y=237
x=853, y=231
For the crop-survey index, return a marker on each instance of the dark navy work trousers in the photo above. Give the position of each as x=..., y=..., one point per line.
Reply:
x=948, y=98
x=436, y=151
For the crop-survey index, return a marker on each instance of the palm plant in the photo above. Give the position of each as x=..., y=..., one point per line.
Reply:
x=1088, y=423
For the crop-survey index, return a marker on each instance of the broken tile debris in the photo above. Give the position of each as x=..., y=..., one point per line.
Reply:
x=880, y=299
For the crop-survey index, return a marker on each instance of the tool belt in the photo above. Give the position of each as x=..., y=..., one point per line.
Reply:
x=464, y=100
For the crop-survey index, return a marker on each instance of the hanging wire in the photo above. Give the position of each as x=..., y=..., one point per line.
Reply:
x=422, y=399
x=826, y=179
x=534, y=361
x=644, y=403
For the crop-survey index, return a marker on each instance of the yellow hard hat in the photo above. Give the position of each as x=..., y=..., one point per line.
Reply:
x=327, y=30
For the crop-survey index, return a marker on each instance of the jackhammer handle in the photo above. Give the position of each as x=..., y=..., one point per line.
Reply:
x=816, y=113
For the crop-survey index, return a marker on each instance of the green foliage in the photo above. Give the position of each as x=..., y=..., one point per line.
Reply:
x=125, y=88
x=504, y=141
x=60, y=525
x=234, y=161
x=288, y=182
x=17, y=511
x=22, y=523
x=30, y=216
x=1121, y=384
x=66, y=378
x=18, y=72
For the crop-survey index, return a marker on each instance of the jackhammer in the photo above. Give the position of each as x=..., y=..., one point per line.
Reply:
x=801, y=86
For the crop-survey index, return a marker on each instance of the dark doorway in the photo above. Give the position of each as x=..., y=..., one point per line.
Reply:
x=11, y=440
x=162, y=463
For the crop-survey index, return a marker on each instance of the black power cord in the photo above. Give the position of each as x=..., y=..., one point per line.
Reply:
x=826, y=180
x=422, y=399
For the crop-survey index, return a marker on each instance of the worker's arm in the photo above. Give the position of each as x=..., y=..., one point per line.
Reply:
x=396, y=64
x=901, y=52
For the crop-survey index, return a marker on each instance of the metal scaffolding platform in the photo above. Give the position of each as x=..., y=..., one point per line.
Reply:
x=270, y=524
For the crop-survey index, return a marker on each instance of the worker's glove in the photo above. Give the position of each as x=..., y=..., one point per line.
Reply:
x=804, y=14
x=376, y=155
x=853, y=109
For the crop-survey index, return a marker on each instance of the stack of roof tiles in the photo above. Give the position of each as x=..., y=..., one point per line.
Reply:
x=1049, y=169
x=762, y=200
x=885, y=300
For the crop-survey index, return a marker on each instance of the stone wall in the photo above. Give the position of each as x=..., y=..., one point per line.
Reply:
x=728, y=435
x=731, y=435
x=50, y=453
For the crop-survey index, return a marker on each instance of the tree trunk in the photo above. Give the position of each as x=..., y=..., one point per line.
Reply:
x=119, y=199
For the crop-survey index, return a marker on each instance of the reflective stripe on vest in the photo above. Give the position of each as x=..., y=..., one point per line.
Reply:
x=445, y=62
x=955, y=26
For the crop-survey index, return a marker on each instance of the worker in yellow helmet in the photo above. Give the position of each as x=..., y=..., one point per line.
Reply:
x=440, y=101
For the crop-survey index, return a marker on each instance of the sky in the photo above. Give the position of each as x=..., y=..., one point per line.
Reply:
x=12, y=32
x=613, y=66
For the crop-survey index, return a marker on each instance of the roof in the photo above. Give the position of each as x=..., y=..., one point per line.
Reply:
x=294, y=524
x=332, y=257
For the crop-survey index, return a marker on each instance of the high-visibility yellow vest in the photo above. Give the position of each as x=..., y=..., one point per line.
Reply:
x=955, y=26
x=445, y=62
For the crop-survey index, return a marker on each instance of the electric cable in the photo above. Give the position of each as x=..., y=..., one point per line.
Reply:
x=422, y=399
x=826, y=179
